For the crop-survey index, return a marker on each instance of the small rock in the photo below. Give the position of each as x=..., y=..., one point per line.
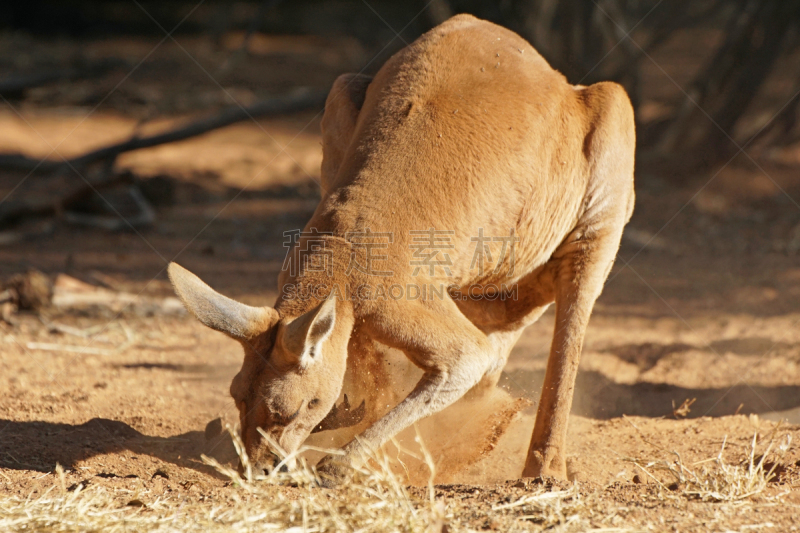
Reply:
x=33, y=290
x=82, y=484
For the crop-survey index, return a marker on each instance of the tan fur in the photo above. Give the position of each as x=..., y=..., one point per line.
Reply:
x=467, y=129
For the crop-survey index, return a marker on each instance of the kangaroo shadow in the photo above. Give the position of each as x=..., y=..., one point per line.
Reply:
x=648, y=354
x=37, y=445
x=598, y=397
x=40, y=445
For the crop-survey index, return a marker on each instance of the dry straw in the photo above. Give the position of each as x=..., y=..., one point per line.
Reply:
x=563, y=510
x=715, y=479
x=373, y=499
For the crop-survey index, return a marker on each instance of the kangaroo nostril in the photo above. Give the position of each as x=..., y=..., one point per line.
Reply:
x=266, y=465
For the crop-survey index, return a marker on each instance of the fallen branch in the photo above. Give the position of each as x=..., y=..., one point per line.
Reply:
x=12, y=237
x=86, y=333
x=71, y=348
x=297, y=100
x=15, y=85
x=72, y=295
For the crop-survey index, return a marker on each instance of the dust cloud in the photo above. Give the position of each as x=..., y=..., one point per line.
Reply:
x=477, y=440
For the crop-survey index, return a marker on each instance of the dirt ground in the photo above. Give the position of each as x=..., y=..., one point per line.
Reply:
x=703, y=305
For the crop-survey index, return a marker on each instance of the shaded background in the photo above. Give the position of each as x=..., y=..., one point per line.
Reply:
x=702, y=308
x=737, y=59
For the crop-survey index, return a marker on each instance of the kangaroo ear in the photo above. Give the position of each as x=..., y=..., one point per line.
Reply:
x=303, y=336
x=219, y=312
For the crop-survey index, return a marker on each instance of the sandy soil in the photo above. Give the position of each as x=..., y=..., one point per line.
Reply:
x=703, y=305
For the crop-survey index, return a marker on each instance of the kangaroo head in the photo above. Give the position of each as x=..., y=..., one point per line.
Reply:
x=293, y=367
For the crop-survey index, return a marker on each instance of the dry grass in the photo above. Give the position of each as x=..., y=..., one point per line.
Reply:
x=563, y=510
x=715, y=479
x=374, y=499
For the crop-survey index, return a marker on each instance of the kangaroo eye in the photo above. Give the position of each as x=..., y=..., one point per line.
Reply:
x=313, y=403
